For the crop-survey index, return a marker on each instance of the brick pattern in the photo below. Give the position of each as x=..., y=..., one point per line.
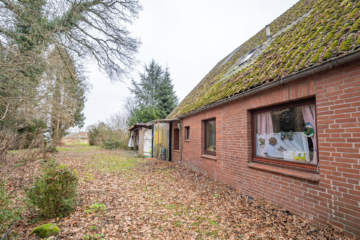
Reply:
x=336, y=198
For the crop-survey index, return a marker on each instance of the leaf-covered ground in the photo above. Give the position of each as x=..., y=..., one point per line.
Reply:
x=153, y=199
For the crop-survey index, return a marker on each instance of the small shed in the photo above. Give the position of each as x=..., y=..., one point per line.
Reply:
x=161, y=138
x=141, y=138
x=152, y=139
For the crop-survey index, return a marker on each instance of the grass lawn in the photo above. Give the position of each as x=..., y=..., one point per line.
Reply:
x=122, y=197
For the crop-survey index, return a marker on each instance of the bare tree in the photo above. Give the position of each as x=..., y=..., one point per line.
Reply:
x=86, y=28
x=130, y=105
x=31, y=31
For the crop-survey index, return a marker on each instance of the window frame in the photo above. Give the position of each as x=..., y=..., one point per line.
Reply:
x=248, y=56
x=305, y=167
x=187, y=133
x=213, y=153
x=178, y=140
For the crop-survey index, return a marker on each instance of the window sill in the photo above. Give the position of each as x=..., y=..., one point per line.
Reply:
x=187, y=140
x=209, y=157
x=176, y=150
x=303, y=175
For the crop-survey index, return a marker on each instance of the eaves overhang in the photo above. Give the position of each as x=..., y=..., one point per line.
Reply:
x=307, y=72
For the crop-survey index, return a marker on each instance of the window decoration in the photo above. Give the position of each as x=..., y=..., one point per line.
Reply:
x=272, y=141
x=210, y=137
x=308, y=130
x=281, y=149
x=262, y=142
x=286, y=134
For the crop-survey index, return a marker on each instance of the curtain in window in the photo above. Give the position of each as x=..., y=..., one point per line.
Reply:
x=264, y=123
x=309, y=117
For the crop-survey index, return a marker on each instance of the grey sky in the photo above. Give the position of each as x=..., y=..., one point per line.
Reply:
x=190, y=37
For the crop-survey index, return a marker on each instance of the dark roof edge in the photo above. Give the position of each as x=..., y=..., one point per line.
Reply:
x=138, y=125
x=334, y=63
x=163, y=121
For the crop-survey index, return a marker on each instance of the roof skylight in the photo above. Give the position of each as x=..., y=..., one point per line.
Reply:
x=248, y=56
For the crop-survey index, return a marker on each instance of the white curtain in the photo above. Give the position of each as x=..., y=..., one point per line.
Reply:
x=264, y=123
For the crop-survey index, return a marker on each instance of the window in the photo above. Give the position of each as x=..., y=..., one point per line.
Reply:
x=187, y=133
x=248, y=56
x=210, y=137
x=176, y=139
x=286, y=135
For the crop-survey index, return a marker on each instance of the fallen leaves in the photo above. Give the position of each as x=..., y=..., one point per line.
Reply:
x=155, y=199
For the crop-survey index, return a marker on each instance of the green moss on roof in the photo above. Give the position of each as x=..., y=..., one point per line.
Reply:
x=348, y=7
x=355, y=27
x=334, y=44
x=316, y=57
x=328, y=54
x=357, y=41
x=346, y=45
x=344, y=2
x=339, y=22
x=312, y=41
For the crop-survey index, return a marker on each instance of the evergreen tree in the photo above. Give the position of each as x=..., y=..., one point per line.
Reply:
x=167, y=100
x=143, y=114
x=146, y=90
x=154, y=94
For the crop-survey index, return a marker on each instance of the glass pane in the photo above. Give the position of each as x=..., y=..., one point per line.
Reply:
x=287, y=134
x=211, y=135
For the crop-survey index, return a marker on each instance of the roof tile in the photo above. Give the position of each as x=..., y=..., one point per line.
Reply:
x=310, y=33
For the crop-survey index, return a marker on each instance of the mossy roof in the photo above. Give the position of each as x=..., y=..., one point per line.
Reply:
x=310, y=33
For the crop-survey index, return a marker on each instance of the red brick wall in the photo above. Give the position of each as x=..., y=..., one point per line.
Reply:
x=336, y=198
x=175, y=154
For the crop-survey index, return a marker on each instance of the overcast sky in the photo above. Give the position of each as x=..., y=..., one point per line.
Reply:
x=190, y=37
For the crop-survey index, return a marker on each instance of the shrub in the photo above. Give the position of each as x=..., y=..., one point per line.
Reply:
x=113, y=144
x=54, y=192
x=110, y=135
x=8, y=214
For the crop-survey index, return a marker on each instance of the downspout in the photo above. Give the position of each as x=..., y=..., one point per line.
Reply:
x=152, y=141
x=170, y=138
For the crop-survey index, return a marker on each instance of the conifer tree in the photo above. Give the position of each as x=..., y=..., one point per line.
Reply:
x=146, y=90
x=167, y=100
x=154, y=93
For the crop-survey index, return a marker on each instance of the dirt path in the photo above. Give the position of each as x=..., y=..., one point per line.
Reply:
x=151, y=199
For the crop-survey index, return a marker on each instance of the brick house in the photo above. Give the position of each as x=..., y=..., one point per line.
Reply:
x=279, y=118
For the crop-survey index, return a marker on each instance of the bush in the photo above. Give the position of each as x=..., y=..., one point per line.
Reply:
x=113, y=144
x=110, y=135
x=54, y=192
x=8, y=214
